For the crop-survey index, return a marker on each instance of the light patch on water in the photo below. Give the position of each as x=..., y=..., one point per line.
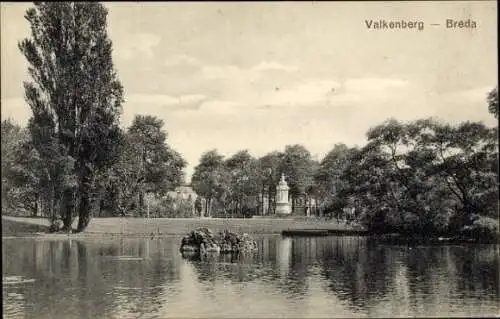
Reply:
x=13, y=280
x=137, y=288
x=15, y=296
x=127, y=288
x=124, y=258
x=226, y=264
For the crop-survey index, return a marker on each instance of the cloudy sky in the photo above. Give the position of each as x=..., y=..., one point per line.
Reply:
x=259, y=76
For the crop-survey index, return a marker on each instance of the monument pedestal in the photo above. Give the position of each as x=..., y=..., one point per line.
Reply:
x=300, y=205
x=283, y=209
x=282, y=205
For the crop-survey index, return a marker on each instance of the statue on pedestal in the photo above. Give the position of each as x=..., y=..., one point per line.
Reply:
x=282, y=204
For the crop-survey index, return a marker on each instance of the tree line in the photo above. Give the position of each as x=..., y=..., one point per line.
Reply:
x=144, y=164
x=74, y=160
x=423, y=176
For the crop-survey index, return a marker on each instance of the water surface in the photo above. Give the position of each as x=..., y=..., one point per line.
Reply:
x=300, y=277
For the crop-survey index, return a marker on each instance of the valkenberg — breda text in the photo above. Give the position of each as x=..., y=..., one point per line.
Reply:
x=385, y=24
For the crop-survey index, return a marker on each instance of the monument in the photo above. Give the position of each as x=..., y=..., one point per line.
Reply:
x=282, y=204
x=300, y=204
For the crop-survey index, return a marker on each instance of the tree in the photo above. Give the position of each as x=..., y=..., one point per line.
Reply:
x=270, y=172
x=11, y=136
x=328, y=178
x=19, y=184
x=211, y=179
x=425, y=177
x=160, y=166
x=146, y=165
x=75, y=97
x=123, y=181
x=298, y=167
x=245, y=182
x=468, y=164
x=493, y=102
x=26, y=180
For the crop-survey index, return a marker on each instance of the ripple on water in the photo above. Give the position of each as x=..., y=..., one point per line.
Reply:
x=14, y=280
x=13, y=305
x=123, y=258
x=138, y=288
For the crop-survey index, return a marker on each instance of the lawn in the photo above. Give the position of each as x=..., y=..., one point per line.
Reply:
x=172, y=226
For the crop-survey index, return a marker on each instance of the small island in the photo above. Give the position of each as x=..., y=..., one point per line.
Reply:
x=202, y=240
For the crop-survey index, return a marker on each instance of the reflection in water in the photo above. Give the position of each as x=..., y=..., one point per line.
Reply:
x=300, y=277
x=284, y=255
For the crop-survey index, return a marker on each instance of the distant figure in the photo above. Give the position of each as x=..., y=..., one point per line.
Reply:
x=198, y=206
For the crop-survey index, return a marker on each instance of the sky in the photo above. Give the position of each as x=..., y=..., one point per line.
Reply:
x=260, y=76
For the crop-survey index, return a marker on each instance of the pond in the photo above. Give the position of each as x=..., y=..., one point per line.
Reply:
x=288, y=277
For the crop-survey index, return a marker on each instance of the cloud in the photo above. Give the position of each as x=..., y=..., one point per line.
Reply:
x=457, y=106
x=309, y=92
x=225, y=71
x=182, y=60
x=220, y=107
x=475, y=95
x=373, y=84
x=160, y=105
x=242, y=91
x=321, y=92
x=136, y=45
x=163, y=99
x=288, y=92
x=272, y=65
x=252, y=73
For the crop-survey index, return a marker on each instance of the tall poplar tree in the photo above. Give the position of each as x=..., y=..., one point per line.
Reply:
x=75, y=97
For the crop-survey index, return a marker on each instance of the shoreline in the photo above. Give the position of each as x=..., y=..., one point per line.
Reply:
x=156, y=228
x=395, y=238
x=141, y=227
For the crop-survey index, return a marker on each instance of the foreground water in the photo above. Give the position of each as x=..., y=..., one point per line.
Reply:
x=300, y=277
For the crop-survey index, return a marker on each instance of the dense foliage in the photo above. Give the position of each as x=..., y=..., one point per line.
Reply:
x=424, y=176
x=121, y=187
x=146, y=166
x=419, y=177
x=75, y=99
x=73, y=159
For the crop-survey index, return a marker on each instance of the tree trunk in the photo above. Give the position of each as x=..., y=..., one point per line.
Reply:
x=207, y=206
x=68, y=206
x=84, y=212
x=141, y=203
x=36, y=206
x=41, y=206
x=269, y=201
x=51, y=205
x=262, y=201
x=210, y=207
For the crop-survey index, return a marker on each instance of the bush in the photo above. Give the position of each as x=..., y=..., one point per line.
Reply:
x=482, y=229
x=172, y=208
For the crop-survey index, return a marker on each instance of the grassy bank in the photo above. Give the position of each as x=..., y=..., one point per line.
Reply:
x=12, y=226
x=139, y=227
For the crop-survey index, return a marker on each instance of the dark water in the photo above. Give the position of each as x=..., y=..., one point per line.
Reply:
x=305, y=277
